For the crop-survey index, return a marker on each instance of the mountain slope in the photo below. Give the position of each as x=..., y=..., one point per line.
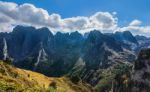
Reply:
x=144, y=42
x=15, y=80
x=141, y=73
x=134, y=79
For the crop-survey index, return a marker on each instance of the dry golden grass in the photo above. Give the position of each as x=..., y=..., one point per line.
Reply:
x=22, y=79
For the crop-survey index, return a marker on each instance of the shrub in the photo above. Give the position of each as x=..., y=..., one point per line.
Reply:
x=53, y=85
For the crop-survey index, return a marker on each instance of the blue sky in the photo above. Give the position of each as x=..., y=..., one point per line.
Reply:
x=127, y=10
x=77, y=15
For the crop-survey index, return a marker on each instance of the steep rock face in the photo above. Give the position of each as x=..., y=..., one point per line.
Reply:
x=100, y=52
x=95, y=54
x=3, y=42
x=66, y=51
x=141, y=73
x=24, y=45
x=24, y=40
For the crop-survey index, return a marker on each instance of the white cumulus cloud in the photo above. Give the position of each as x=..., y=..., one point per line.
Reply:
x=12, y=14
x=135, y=23
x=136, y=28
x=28, y=14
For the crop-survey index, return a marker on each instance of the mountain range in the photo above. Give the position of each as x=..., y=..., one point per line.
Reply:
x=78, y=56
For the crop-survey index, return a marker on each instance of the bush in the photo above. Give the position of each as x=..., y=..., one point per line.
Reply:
x=53, y=85
x=75, y=79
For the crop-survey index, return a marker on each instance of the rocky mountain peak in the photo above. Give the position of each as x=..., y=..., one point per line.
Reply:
x=125, y=36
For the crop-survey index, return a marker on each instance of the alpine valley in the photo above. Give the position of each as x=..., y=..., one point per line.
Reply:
x=36, y=60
